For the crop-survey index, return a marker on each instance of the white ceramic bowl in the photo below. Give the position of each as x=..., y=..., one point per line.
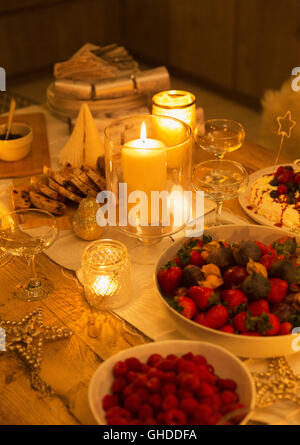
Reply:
x=241, y=345
x=16, y=149
x=226, y=365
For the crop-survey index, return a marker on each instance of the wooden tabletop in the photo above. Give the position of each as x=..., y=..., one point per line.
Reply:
x=68, y=365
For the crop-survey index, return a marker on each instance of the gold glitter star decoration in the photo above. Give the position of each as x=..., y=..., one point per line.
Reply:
x=285, y=127
x=26, y=338
x=278, y=383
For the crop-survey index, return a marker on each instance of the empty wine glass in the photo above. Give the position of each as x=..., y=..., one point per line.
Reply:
x=27, y=233
x=220, y=136
x=220, y=181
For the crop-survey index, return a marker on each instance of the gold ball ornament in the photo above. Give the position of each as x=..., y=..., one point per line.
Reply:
x=84, y=221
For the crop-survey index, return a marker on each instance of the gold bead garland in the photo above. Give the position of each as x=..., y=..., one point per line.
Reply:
x=26, y=338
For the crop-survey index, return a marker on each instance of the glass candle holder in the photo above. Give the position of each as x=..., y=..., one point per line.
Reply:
x=105, y=274
x=176, y=103
x=148, y=154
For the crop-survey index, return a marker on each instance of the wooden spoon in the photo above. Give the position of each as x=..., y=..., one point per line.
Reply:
x=10, y=117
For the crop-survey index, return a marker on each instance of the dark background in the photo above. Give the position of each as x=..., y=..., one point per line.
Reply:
x=239, y=47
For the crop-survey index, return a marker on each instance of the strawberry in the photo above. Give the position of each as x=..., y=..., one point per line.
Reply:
x=196, y=258
x=264, y=249
x=233, y=298
x=278, y=290
x=189, y=308
x=287, y=246
x=227, y=328
x=267, y=324
x=243, y=322
x=216, y=317
x=279, y=171
x=199, y=318
x=259, y=307
x=203, y=296
x=282, y=190
x=285, y=328
x=268, y=259
x=169, y=278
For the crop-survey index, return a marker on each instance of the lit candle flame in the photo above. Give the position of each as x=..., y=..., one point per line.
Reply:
x=105, y=286
x=143, y=135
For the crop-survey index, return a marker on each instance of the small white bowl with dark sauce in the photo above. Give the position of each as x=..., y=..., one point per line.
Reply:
x=18, y=144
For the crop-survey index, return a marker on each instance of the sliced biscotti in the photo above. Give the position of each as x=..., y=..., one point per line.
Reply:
x=59, y=176
x=20, y=198
x=40, y=184
x=68, y=172
x=95, y=177
x=63, y=191
x=42, y=202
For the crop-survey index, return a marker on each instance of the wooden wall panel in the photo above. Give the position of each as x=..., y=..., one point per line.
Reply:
x=202, y=38
x=146, y=28
x=268, y=44
x=39, y=37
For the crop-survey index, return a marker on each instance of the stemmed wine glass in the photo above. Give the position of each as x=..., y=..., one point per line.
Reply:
x=27, y=233
x=220, y=136
x=220, y=181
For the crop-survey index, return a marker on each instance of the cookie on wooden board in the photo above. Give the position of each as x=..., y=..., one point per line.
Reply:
x=20, y=198
x=42, y=202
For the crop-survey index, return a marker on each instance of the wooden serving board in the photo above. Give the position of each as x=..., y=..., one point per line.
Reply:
x=39, y=154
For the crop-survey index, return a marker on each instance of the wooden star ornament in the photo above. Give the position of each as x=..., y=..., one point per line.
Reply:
x=27, y=337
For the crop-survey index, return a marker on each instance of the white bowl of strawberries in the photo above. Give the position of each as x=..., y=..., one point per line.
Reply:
x=176, y=382
x=237, y=286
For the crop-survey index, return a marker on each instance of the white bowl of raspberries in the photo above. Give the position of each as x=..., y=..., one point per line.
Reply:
x=178, y=382
x=236, y=286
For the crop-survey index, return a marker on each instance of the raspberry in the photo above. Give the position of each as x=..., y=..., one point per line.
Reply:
x=227, y=384
x=161, y=418
x=154, y=358
x=117, y=421
x=143, y=394
x=109, y=401
x=145, y=412
x=169, y=377
x=175, y=417
x=279, y=171
x=150, y=421
x=129, y=389
x=118, y=412
x=133, y=364
x=200, y=360
x=141, y=380
x=172, y=357
x=170, y=402
x=186, y=366
x=188, y=381
x=229, y=397
x=132, y=403
x=214, y=401
x=132, y=376
x=203, y=413
x=120, y=369
x=204, y=375
x=188, y=356
x=119, y=384
x=206, y=389
x=166, y=365
x=184, y=394
x=145, y=369
x=155, y=401
x=189, y=405
x=153, y=384
x=214, y=419
x=169, y=388
x=156, y=373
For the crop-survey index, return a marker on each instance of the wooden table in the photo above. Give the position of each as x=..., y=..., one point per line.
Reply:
x=69, y=364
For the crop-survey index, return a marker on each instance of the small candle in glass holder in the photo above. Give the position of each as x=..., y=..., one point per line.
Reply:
x=176, y=103
x=105, y=274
